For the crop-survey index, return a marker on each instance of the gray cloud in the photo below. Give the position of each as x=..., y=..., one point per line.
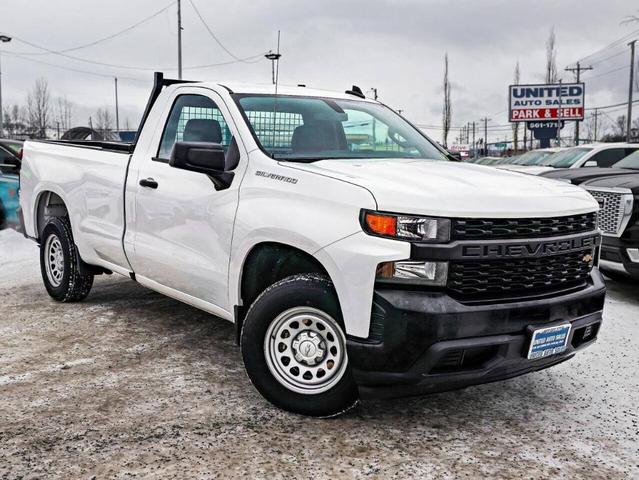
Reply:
x=396, y=46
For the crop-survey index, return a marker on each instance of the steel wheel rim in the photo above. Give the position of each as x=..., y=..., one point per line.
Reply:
x=305, y=350
x=54, y=260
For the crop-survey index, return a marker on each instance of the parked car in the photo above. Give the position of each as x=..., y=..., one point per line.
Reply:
x=601, y=155
x=9, y=169
x=383, y=269
x=528, y=159
x=576, y=176
x=14, y=146
x=619, y=222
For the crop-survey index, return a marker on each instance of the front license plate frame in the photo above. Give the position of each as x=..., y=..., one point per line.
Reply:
x=549, y=341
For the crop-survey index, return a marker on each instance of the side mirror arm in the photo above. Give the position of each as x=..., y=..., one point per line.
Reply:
x=221, y=180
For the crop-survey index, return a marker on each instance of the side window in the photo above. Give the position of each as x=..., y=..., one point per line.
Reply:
x=609, y=157
x=193, y=118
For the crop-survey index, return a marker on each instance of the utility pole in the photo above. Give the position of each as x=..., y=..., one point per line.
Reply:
x=632, y=75
x=473, y=139
x=596, y=113
x=577, y=71
x=3, y=39
x=559, y=118
x=485, y=120
x=179, y=15
x=374, y=123
x=117, y=108
x=57, y=125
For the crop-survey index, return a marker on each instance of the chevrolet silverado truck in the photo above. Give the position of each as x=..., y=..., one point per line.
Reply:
x=352, y=255
x=618, y=198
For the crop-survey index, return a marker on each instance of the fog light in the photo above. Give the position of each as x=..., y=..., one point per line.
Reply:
x=409, y=271
x=633, y=254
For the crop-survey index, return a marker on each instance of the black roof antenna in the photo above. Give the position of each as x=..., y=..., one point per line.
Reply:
x=355, y=90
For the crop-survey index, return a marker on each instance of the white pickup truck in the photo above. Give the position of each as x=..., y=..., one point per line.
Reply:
x=352, y=254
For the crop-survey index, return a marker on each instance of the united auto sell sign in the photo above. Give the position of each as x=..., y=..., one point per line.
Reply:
x=534, y=103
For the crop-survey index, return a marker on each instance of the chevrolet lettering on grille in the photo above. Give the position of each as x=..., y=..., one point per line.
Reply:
x=528, y=249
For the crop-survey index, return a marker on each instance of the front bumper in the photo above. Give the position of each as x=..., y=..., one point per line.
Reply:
x=424, y=342
x=614, y=256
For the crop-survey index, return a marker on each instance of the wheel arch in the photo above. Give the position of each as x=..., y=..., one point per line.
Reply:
x=48, y=203
x=266, y=263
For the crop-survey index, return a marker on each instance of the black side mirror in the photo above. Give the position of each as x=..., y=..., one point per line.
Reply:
x=202, y=157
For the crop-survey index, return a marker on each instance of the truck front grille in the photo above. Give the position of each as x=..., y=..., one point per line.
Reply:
x=476, y=280
x=612, y=210
x=496, y=228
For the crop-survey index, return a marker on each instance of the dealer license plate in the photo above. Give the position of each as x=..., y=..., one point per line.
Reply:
x=548, y=341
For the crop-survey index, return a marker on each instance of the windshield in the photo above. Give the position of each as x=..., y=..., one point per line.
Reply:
x=631, y=161
x=566, y=158
x=311, y=128
x=531, y=158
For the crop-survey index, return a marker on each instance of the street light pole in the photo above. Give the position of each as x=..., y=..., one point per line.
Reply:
x=179, y=15
x=632, y=74
x=117, y=108
x=3, y=39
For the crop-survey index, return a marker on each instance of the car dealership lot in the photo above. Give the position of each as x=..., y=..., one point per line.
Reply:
x=133, y=383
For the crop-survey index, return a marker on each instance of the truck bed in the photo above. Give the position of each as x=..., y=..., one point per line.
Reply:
x=91, y=177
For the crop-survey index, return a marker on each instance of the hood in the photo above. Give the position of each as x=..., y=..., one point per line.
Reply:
x=577, y=176
x=452, y=189
x=529, y=169
x=616, y=181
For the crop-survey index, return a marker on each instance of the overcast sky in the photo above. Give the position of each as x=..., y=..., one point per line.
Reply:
x=396, y=46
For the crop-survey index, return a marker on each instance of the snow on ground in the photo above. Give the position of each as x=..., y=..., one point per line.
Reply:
x=130, y=383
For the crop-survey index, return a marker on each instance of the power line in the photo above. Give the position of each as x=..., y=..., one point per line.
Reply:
x=131, y=67
x=611, y=45
x=77, y=70
x=608, y=72
x=103, y=39
x=217, y=40
x=622, y=104
x=597, y=62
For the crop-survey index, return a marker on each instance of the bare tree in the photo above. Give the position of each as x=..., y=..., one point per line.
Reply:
x=447, y=110
x=551, y=57
x=104, y=122
x=64, y=113
x=15, y=122
x=516, y=124
x=619, y=127
x=591, y=126
x=39, y=108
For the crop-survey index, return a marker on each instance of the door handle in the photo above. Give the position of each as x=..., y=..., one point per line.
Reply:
x=149, y=183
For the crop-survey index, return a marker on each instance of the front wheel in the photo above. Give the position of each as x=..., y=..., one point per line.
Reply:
x=294, y=347
x=60, y=263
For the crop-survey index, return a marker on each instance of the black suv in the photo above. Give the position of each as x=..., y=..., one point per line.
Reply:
x=618, y=197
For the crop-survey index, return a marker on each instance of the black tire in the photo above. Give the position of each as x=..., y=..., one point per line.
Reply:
x=3, y=218
x=72, y=285
x=304, y=291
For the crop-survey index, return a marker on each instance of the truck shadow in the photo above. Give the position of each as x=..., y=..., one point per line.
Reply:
x=198, y=338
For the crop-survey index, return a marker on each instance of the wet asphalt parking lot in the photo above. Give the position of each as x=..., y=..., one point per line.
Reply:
x=133, y=384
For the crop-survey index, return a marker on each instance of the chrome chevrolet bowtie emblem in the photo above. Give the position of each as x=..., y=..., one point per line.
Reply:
x=587, y=258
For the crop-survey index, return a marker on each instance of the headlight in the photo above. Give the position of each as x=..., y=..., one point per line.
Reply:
x=410, y=271
x=406, y=227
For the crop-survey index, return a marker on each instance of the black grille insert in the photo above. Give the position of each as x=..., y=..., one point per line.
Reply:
x=489, y=229
x=477, y=280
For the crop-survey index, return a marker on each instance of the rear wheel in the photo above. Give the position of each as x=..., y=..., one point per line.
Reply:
x=60, y=263
x=3, y=217
x=294, y=347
